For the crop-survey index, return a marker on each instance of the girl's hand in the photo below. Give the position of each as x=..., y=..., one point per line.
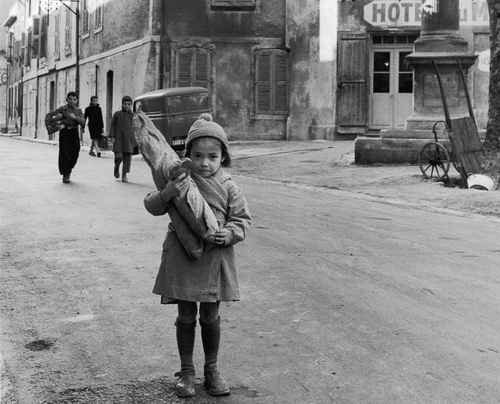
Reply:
x=220, y=236
x=178, y=186
x=71, y=115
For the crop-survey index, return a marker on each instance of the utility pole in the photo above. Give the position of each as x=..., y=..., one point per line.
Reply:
x=76, y=12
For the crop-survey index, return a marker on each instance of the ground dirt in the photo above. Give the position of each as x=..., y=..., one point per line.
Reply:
x=331, y=165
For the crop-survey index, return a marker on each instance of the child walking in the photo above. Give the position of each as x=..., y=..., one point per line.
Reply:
x=121, y=134
x=213, y=277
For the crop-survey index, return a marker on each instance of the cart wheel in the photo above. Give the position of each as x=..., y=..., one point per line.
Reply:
x=434, y=161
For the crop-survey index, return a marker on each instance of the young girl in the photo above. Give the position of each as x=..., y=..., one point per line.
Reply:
x=213, y=277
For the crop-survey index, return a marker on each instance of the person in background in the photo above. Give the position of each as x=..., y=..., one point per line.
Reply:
x=121, y=134
x=70, y=117
x=93, y=114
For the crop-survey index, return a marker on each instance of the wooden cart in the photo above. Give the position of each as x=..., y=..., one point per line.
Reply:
x=466, y=152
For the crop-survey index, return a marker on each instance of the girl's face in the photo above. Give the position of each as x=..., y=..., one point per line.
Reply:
x=206, y=154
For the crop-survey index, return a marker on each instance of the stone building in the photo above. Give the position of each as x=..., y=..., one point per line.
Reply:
x=275, y=69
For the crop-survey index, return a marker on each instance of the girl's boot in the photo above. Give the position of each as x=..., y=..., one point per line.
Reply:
x=185, y=343
x=210, y=336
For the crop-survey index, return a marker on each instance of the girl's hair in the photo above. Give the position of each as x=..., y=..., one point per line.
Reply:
x=72, y=94
x=225, y=152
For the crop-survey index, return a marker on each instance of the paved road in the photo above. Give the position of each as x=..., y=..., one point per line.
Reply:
x=345, y=300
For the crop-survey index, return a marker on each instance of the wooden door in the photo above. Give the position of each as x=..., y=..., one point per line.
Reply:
x=352, y=92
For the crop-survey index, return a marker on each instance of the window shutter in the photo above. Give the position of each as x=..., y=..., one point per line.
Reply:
x=263, y=92
x=35, y=38
x=26, y=50
x=17, y=49
x=281, y=82
x=35, y=47
x=57, y=38
x=36, y=25
x=67, y=43
x=201, y=69
x=184, y=60
x=98, y=16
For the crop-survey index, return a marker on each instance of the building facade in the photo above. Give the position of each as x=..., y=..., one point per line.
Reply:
x=275, y=69
x=375, y=82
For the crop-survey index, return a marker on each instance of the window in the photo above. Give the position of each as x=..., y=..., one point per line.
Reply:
x=232, y=5
x=394, y=39
x=193, y=66
x=271, y=82
x=405, y=79
x=381, y=72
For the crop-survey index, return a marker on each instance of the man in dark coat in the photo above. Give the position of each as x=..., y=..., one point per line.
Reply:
x=121, y=134
x=68, y=118
x=95, y=123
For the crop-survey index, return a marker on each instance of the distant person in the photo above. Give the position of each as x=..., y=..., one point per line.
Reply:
x=122, y=135
x=213, y=277
x=68, y=118
x=93, y=114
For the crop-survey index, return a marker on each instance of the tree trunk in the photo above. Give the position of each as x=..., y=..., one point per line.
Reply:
x=492, y=142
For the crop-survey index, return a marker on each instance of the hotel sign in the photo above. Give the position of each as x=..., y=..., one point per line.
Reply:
x=405, y=13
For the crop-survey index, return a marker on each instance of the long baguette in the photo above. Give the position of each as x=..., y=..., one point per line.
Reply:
x=191, y=216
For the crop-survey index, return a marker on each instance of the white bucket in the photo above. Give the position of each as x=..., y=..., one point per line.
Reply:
x=480, y=181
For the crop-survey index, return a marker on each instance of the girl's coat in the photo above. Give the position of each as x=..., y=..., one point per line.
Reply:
x=213, y=277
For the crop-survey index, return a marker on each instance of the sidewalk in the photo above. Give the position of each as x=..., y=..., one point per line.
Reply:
x=330, y=165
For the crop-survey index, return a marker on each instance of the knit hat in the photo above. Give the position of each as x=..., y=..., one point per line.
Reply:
x=126, y=98
x=205, y=127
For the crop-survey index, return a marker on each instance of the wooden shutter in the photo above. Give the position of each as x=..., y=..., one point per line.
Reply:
x=263, y=82
x=272, y=82
x=184, y=59
x=35, y=38
x=281, y=82
x=202, y=74
x=352, y=94
x=43, y=36
x=26, y=50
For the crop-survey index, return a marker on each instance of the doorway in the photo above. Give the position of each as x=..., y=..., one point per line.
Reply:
x=109, y=98
x=391, y=81
x=52, y=96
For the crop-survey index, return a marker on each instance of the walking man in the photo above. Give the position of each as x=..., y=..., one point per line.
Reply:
x=68, y=118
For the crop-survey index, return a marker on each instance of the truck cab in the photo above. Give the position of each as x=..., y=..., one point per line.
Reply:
x=174, y=110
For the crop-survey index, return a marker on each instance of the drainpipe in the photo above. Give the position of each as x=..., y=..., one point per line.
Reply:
x=7, y=83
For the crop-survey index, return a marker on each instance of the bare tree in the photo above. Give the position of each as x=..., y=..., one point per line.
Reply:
x=492, y=142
